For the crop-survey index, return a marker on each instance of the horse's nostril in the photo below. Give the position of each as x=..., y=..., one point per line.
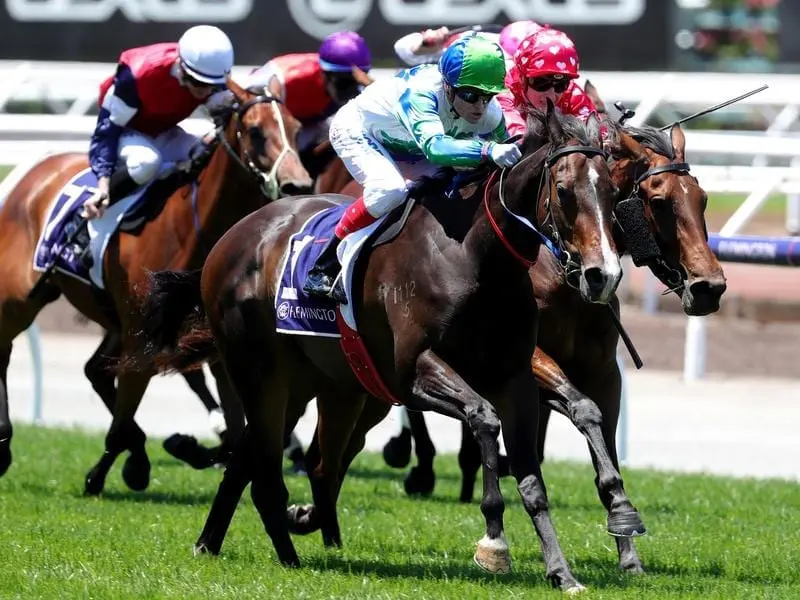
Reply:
x=595, y=279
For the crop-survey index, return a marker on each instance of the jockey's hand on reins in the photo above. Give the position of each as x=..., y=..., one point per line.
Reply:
x=95, y=206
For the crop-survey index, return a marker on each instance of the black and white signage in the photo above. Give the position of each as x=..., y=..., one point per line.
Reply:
x=610, y=34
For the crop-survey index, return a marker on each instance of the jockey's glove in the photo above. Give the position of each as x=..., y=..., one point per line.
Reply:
x=505, y=155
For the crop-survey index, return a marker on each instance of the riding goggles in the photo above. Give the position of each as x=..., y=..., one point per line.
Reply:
x=543, y=84
x=472, y=97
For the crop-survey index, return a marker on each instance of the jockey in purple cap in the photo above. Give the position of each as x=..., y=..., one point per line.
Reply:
x=313, y=86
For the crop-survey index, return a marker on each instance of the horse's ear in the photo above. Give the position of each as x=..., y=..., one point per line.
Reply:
x=238, y=91
x=553, y=124
x=591, y=91
x=593, y=129
x=612, y=140
x=678, y=141
x=631, y=148
x=361, y=77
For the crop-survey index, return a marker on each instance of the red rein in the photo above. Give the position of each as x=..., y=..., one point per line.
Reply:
x=496, y=227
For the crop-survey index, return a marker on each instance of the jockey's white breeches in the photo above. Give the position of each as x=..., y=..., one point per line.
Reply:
x=147, y=158
x=385, y=180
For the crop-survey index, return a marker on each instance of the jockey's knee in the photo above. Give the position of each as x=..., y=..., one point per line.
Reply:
x=143, y=164
x=379, y=200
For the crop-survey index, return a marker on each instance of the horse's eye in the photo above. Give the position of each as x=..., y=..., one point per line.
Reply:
x=257, y=137
x=563, y=192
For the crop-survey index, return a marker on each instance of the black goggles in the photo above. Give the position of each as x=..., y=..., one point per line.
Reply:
x=543, y=84
x=472, y=97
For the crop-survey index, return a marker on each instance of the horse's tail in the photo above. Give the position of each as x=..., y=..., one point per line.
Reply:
x=175, y=330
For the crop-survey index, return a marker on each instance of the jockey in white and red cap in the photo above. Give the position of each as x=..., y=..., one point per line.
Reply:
x=155, y=87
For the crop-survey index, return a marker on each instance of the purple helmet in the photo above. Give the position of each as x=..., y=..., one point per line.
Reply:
x=342, y=50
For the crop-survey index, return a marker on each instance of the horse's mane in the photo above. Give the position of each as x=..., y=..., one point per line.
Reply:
x=658, y=141
x=569, y=127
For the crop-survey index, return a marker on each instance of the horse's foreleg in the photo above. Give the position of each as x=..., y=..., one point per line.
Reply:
x=124, y=434
x=606, y=389
x=599, y=430
x=519, y=412
x=6, y=430
x=338, y=415
x=437, y=387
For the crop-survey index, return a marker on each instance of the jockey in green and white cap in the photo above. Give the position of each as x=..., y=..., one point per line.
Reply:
x=399, y=129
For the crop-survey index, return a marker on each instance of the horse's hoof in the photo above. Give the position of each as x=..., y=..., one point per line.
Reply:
x=94, y=484
x=574, y=588
x=201, y=548
x=493, y=556
x=187, y=449
x=136, y=472
x=633, y=568
x=420, y=482
x=626, y=523
x=5, y=456
x=397, y=451
x=302, y=519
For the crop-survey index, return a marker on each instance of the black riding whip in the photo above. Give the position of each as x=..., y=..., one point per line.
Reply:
x=637, y=360
x=711, y=109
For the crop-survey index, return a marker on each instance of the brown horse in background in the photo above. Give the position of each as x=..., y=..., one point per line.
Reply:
x=255, y=150
x=466, y=260
x=575, y=361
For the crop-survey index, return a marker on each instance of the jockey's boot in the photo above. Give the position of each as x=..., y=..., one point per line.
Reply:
x=120, y=185
x=321, y=279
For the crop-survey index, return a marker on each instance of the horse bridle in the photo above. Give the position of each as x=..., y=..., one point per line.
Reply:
x=268, y=181
x=570, y=264
x=670, y=276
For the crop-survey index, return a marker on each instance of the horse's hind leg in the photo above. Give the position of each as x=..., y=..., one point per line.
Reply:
x=15, y=317
x=304, y=519
x=260, y=380
x=6, y=430
x=519, y=413
x=124, y=434
x=421, y=479
x=237, y=475
x=338, y=414
x=98, y=370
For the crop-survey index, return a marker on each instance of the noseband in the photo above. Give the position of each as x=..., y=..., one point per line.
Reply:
x=555, y=243
x=268, y=181
x=670, y=276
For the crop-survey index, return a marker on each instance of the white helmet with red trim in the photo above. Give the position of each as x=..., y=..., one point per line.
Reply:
x=206, y=54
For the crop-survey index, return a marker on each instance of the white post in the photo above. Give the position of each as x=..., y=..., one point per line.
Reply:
x=622, y=423
x=650, y=294
x=793, y=214
x=34, y=341
x=694, y=355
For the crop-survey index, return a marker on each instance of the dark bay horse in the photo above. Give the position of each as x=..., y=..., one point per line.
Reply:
x=255, y=150
x=575, y=361
x=447, y=350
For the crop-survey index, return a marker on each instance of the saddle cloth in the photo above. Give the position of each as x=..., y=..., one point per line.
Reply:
x=296, y=312
x=61, y=220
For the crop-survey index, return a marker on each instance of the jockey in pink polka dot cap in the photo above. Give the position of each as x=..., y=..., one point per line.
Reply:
x=546, y=66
